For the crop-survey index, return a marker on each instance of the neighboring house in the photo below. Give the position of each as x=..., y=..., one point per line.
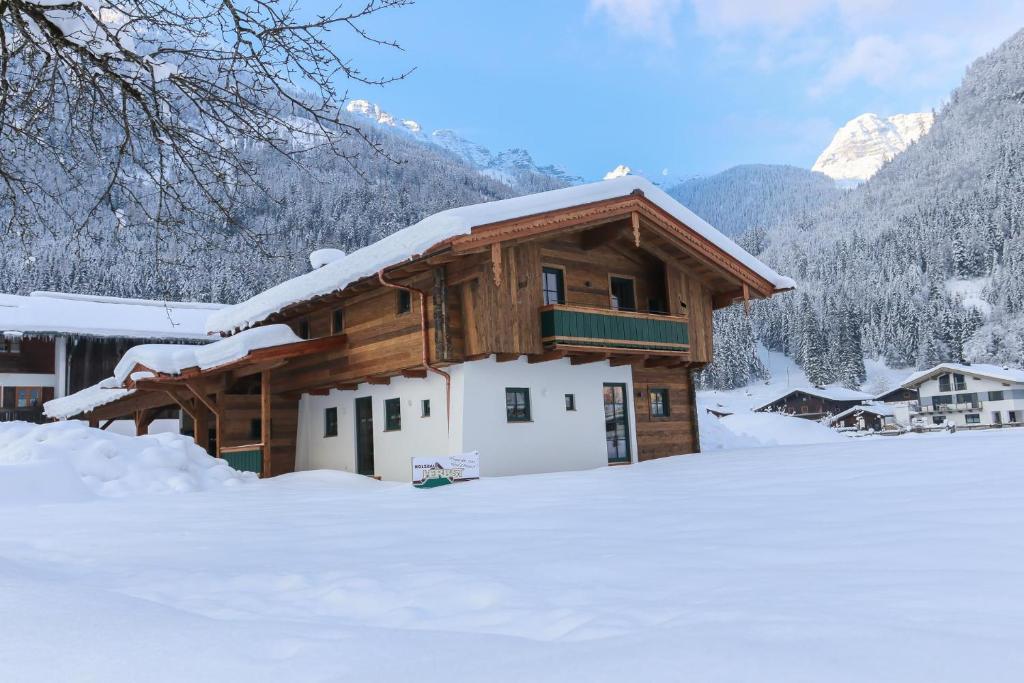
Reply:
x=814, y=403
x=875, y=417
x=555, y=331
x=966, y=395
x=53, y=344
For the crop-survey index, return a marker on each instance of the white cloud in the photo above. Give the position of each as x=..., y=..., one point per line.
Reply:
x=726, y=16
x=644, y=18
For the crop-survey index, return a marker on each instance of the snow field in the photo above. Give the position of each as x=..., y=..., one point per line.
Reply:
x=883, y=560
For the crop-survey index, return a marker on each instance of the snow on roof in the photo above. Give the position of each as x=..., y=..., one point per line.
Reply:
x=171, y=359
x=417, y=239
x=999, y=372
x=882, y=410
x=830, y=393
x=107, y=391
x=103, y=316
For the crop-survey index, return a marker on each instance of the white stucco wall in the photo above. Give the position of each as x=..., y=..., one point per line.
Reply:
x=555, y=439
x=1013, y=400
x=423, y=436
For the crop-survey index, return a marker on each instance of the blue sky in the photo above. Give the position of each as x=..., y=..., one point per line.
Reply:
x=691, y=86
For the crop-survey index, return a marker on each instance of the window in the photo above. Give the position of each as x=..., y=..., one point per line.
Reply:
x=944, y=383
x=330, y=422
x=393, y=414
x=304, y=329
x=938, y=419
x=959, y=384
x=1011, y=416
x=570, y=401
x=972, y=418
x=10, y=344
x=425, y=408
x=659, y=403
x=656, y=305
x=404, y=302
x=623, y=293
x=938, y=402
x=967, y=399
x=256, y=428
x=553, y=281
x=517, y=404
x=995, y=396
x=28, y=397
x=337, y=320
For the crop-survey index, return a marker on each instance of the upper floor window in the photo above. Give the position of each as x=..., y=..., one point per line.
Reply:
x=10, y=344
x=623, y=291
x=393, y=414
x=995, y=396
x=404, y=301
x=554, y=286
x=659, y=403
x=337, y=320
x=304, y=328
x=28, y=397
x=971, y=399
x=944, y=383
x=959, y=384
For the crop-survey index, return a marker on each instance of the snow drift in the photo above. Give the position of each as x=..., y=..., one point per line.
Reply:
x=69, y=461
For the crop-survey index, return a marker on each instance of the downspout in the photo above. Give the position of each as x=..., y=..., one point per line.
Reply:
x=426, y=342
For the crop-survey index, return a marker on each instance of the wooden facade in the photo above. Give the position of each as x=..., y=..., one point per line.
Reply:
x=810, y=406
x=481, y=295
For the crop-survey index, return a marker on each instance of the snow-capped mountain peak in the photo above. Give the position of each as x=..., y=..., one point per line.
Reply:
x=503, y=166
x=860, y=147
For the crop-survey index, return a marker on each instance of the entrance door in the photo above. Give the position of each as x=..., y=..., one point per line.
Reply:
x=616, y=423
x=364, y=436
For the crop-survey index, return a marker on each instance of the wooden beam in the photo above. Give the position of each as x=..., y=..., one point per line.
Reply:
x=414, y=373
x=505, y=357
x=635, y=219
x=496, y=263
x=545, y=357
x=265, y=421
x=210, y=405
x=746, y=300
x=107, y=424
x=318, y=392
x=616, y=361
x=582, y=359
x=378, y=380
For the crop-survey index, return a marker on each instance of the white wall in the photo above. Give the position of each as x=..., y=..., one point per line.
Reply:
x=27, y=379
x=556, y=439
x=422, y=436
x=1013, y=400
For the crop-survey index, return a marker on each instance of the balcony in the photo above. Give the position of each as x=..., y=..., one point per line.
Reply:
x=567, y=327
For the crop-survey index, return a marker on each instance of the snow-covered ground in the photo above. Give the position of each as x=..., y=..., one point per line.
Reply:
x=863, y=560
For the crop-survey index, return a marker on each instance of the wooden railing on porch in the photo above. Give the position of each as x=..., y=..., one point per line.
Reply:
x=566, y=325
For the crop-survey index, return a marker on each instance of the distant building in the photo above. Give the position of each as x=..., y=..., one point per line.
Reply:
x=965, y=395
x=814, y=403
x=875, y=417
x=54, y=344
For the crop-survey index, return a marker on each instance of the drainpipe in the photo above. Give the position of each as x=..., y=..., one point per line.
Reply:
x=426, y=342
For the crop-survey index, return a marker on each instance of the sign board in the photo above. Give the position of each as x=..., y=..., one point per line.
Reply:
x=448, y=469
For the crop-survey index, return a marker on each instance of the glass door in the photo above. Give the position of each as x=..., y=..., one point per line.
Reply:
x=616, y=423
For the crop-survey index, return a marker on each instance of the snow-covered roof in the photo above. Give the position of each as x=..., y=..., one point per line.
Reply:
x=999, y=372
x=416, y=239
x=103, y=316
x=882, y=410
x=90, y=398
x=831, y=393
x=171, y=359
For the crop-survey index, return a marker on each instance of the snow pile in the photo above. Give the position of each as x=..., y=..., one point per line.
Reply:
x=775, y=429
x=171, y=359
x=321, y=257
x=433, y=230
x=716, y=436
x=65, y=461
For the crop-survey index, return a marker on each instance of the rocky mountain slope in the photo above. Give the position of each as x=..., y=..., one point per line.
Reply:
x=865, y=143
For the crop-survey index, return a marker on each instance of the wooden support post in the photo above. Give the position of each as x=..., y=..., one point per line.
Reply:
x=265, y=421
x=143, y=418
x=94, y=422
x=746, y=300
x=219, y=424
x=496, y=263
x=200, y=419
x=636, y=228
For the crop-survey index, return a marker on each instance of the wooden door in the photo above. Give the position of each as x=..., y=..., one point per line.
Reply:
x=364, y=436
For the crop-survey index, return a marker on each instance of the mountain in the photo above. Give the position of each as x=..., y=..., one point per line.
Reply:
x=755, y=196
x=514, y=166
x=860, y=147
x=923, y=262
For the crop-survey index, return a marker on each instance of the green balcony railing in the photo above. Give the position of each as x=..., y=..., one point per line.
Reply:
x=244, y=458
x=566, y=325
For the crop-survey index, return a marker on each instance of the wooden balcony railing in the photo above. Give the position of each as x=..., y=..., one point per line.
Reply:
x=565, y=325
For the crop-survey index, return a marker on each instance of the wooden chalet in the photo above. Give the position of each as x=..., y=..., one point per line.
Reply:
x=814, y=403
x=549, y=332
